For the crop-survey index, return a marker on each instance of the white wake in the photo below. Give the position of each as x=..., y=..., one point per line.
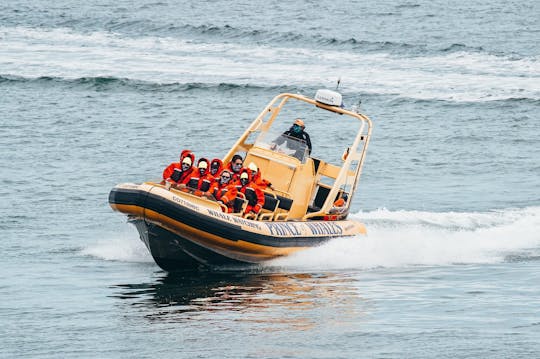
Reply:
x=405, y=238
x=124, y=246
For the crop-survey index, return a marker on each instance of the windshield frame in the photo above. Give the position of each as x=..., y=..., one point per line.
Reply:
x=284, y=144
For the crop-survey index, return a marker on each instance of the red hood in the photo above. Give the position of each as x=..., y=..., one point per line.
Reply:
x=218, y=161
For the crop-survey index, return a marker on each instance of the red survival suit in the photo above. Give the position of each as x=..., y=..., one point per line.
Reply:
x=251, y=190
x=257, y=177
x=200, y=179
x=216, y=166
x=174, y=173
x=261, y=182
x=236, y=175
x=224, y=191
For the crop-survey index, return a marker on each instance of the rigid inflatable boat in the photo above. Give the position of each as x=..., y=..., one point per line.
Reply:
x=307, y=204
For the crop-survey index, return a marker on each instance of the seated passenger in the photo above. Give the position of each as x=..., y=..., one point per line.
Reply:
x=224, y=190
x=339, y=204
x=253, y=193
x=216, y=166
x=201, y=179
x=235, y=166
x=179, y=172
x=257, y=177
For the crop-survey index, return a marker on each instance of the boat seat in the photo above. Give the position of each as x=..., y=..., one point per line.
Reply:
x=284, y=202
x=251, y=196
x=239, y=204
x=285, y=205
x=270, y=206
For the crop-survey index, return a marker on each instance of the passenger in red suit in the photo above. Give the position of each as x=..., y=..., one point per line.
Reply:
x=179, y=172
x=257, y=177
x=235, y=166
x=200, y=179
x=224, y=190
x=253, y=193
x=216, y=166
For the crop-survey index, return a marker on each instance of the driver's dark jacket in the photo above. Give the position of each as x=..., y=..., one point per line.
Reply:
x=303, y=136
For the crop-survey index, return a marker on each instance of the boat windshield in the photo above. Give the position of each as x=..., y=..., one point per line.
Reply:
x=281, y=143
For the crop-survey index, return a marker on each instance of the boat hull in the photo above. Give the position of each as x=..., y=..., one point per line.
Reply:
x=174, y=253
x=182, y=231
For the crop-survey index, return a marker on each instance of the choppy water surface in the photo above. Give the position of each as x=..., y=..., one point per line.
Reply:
x=100, y=93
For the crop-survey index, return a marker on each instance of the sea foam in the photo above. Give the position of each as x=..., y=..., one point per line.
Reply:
x=124, y=247
x=406, y=238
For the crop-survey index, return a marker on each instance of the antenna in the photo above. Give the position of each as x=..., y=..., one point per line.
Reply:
x=338, y=82
x=356, y=108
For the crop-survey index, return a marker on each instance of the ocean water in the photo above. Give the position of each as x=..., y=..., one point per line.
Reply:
x=97, y=93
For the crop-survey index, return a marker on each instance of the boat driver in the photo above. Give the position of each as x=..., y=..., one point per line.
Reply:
x=297, y=130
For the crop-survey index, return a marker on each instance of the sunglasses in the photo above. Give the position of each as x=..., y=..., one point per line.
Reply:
x=226, y=177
